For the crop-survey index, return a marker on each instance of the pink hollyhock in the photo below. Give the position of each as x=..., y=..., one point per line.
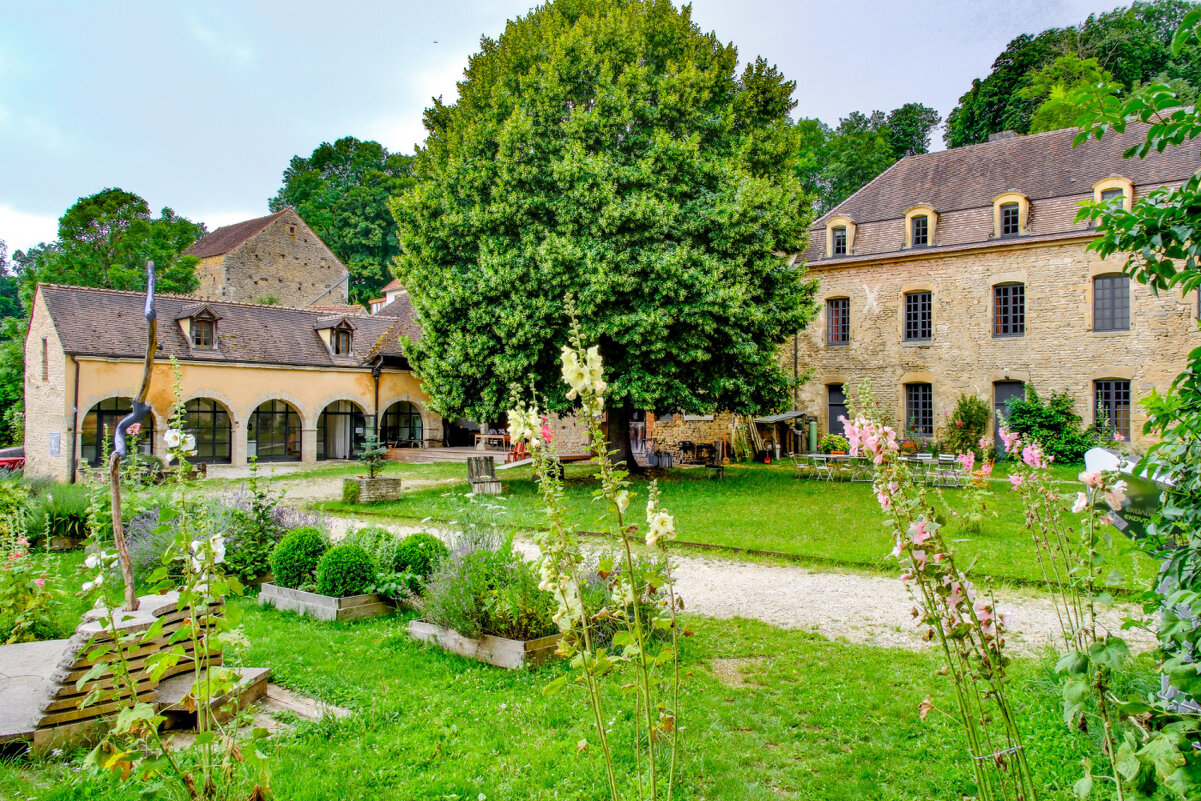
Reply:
x=1081, y=503
x=956, y=597
x=1094, y=479
x=134, y=430
x=907, y=575
x=1016, y=480
x=39, y=582
x=986, y=469
x=547, y=434
x=1115, y=496
x=1011, y=440
x=898, y=548
x=968, y=460
x=1117, y=435
x=918, y=533
x=919, y=558
x=885, y=500
x=1033, y=456
x=983, y=443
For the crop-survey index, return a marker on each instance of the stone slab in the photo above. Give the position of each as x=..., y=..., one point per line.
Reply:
x=24, y=684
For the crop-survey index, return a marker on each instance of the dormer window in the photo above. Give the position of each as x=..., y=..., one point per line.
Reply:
x=920, y=230
x=840, y=237
x=1010, y=226
x=341, y=342
x=202, y=333
x=840, y=241
x=198, y=322
x=1011, y=213
x=920, y=223
x=1114, y=189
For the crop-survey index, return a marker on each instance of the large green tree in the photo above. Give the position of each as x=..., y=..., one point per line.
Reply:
x=610, y=151
x=104, y=240
x=342, y=192
x=1132, y=43
x=1054, y=86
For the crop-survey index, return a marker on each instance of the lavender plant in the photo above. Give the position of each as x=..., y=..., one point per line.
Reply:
x=654, y=661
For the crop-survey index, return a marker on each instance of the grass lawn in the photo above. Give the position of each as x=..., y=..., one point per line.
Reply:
x=786, y=714
x=766, y=508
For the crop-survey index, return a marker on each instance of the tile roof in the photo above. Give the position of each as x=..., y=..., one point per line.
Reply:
x=960, y=185
x=392, y=285
x=109, y=323
x=352, y=309
x=228, y=237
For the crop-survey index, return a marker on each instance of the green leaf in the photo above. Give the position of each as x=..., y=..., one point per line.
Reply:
x=554, y=685
x=1083, y=787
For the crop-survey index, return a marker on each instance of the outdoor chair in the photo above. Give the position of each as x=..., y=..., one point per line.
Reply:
x=822, y=469
x=804, y=465
x=481, y=475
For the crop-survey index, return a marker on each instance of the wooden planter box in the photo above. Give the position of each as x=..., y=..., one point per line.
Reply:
x=499, y=651
x=324, y=607
x=370, y=490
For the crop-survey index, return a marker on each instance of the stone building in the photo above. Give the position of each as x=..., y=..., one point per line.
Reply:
x=965, y=271
x=272, y=382
x=273, y=259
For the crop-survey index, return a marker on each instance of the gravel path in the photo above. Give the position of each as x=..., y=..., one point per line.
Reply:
x=873, y=610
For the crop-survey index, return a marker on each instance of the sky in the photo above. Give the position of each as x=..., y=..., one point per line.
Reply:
x=200, y=106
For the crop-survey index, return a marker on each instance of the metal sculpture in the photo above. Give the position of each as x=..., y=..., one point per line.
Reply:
x=140, y=409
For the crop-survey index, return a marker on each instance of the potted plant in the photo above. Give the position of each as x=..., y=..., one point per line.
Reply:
x=372, y=487
x=485, y=604
x=833, y=444
x=326, y=583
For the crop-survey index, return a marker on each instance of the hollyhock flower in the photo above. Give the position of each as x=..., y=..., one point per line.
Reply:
x=986, y=469
x=968, y=460
x=898, y=548
x=547, y=434
x=1033, y=456
x=1094, y=479
x=884, y=499
x=40, y=582
x=956, y=597
x=919, y=557
x=623, y=501
x=1011, y=440
x=918, y=533
x=1115, y=496
x=907, y=575
x=660, y=526
x=983, y=443
x=1081, y=503
x=1016, y=480
x=92, y=562
x=134, y=430
x=173, y=438
x=1117, y=435
x=188, y=443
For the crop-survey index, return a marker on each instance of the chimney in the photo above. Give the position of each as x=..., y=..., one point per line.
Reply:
x=999, y=135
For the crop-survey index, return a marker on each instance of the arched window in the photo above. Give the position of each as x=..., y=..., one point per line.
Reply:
x=273, y=433
x=340, y=431
x=208, y=421
x=401, y=425
x=101, y=422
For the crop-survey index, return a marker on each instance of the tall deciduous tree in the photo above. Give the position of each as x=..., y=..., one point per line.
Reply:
x=608, y=150
x=342, y=192
x=1053, y=86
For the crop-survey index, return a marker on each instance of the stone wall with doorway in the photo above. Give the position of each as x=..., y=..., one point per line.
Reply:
x=669, y=431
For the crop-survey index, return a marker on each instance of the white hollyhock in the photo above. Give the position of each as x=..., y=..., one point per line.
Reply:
x=173, y=438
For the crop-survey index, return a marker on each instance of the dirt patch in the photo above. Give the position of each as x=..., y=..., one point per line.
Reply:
x=733, y=672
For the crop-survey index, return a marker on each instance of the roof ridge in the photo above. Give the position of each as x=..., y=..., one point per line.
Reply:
x=190, y=298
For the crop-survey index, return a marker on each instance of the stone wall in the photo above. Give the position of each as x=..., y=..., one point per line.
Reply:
x=670, y=430
x=48, y=421
x=285, y=261
x=1058, y=351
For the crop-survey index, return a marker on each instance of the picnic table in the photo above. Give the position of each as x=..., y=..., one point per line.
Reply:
x=485, y=441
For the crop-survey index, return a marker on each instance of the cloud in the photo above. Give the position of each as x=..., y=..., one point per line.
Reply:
x=225, y=43
x=399, y=132
x=22, y=231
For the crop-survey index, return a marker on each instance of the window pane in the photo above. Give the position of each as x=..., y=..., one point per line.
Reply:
x=840, y=241
x=837, y=402
x=1009, y=310
x=918, y=316
x=1111, y=303
x=1009, y=219
x=1112, y=194
x=919, y=409
x=1113, y=407
x=921, y=230
x=838, y=321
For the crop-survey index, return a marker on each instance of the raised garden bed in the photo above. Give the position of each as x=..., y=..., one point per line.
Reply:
x=499, y=651
x=370, y=490
x=324, y=607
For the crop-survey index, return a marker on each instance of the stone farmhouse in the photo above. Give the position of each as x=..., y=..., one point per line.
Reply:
x=271, y=382
x=964, y=271
x=276, y=259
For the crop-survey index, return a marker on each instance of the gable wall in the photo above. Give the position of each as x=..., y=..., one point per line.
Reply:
x=47, y=399
x=285, y=260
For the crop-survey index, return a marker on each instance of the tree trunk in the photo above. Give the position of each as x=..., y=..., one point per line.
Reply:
x=619, y=438
x=114, y=482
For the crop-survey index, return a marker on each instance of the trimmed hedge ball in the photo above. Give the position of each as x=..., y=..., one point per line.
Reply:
x=294, y=560
x=345, y=570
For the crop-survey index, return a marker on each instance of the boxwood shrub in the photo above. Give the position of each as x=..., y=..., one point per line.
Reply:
x=345, y=570
x=297, y=556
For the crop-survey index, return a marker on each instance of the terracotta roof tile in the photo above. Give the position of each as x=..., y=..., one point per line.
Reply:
x=106, y=322
x=228, y=237
x=960, y=185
